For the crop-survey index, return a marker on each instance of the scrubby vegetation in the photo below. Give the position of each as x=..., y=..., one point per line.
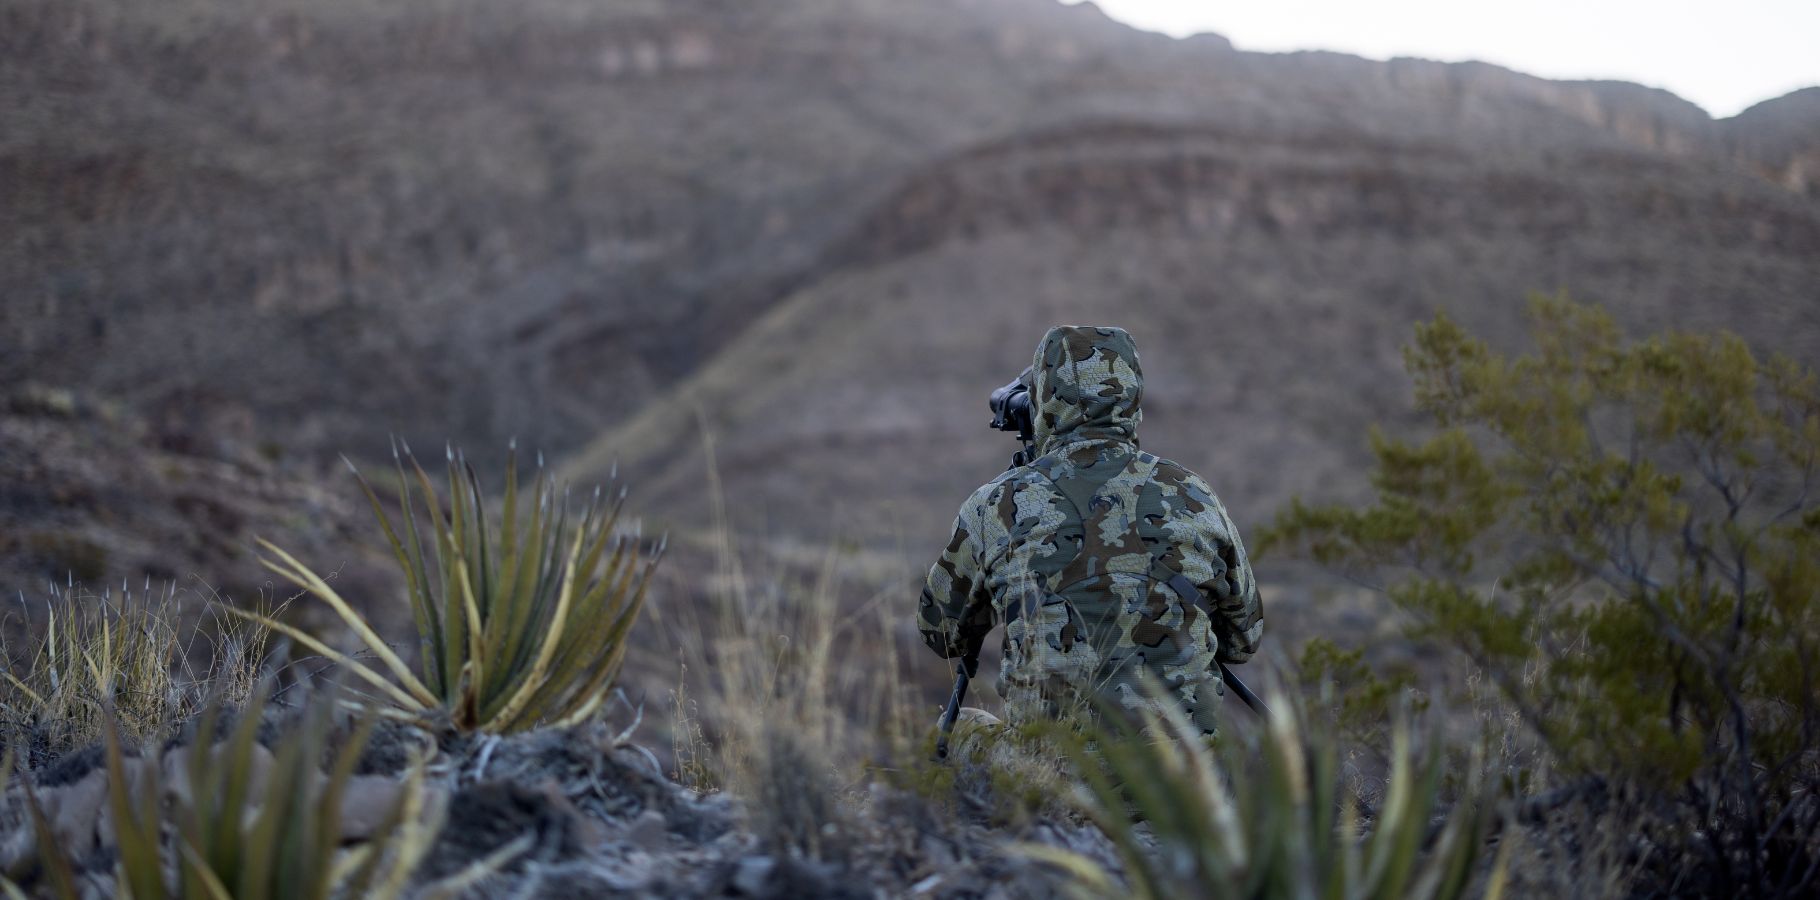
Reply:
x=252, y=822
x=1613, y=541
x=1625, y=539
x=216, y=813
x=238, y=796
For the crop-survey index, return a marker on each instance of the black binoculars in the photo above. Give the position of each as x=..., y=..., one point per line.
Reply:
x=1011, y=408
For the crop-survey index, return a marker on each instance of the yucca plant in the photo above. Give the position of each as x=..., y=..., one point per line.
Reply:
x=520, y=623
x=1290, y=829
x=243, y=824
x=246, y=829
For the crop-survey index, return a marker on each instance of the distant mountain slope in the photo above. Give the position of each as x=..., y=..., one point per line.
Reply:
x=1270, y=284
x=1780, y=140
x=830, y=225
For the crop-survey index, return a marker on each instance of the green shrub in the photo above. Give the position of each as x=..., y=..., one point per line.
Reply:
x=1624, y=537
x=519, y=625
x=1185, y=825
x=1360, y=703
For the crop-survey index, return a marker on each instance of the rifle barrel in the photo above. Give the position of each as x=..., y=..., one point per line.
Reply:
x=961, y=678
x=1238, y=687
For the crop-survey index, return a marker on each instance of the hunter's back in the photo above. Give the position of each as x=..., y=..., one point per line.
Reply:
x=1103, y=562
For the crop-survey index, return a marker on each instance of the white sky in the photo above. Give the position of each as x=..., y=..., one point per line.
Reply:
x=1724, y=56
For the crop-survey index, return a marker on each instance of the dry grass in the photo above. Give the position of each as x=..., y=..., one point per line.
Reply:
x=795, y=699
x=125, y=651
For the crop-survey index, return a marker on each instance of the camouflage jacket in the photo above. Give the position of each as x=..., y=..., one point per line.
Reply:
x=1075, y=551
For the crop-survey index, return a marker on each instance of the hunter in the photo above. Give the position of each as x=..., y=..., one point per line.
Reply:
x=1101, y=560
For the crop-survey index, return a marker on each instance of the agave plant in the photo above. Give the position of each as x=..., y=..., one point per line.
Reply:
x=520, y=625
x=226, y=819
x=246, y=829
x=1289, y=830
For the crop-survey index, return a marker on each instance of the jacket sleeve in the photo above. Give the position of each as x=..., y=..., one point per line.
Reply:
x=1215, y=561
x=955, y=613
x=1240, y=623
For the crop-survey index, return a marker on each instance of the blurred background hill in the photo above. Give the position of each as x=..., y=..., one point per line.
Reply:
x=243, y=238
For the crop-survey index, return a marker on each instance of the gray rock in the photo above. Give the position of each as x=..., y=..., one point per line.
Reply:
x=650, y=831
x=753, y=875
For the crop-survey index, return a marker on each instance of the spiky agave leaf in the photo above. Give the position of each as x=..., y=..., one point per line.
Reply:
x=235, y=834
x=1287, y=831
x=520, y=625
x=140, y=873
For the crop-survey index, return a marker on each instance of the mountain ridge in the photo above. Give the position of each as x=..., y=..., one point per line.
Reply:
x=449, y=221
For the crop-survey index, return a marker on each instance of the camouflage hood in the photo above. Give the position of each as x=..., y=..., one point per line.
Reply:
x=1086, y=384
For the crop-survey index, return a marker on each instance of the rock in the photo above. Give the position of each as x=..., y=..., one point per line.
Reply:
x=973, y=715
x=73, y=766
x=391, y=748
x=136, y=769
x=177, y=770
x=485, y=817
x=753, y=874
x=650, y=831
x=366, y=805
x=75, y=810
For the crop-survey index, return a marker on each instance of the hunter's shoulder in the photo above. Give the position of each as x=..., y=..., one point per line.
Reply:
x=1169, y=471
x=1177, y=477
x=989, y=493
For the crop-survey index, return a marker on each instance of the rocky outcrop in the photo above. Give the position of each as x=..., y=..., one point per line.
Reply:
x=1780, y=140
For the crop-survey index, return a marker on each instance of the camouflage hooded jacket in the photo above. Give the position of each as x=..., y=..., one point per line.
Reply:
x=1076, y=551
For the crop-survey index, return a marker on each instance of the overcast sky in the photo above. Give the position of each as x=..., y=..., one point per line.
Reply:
x=1724, y=56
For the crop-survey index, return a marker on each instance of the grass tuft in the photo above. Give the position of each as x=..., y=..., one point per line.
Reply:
x=124, y=651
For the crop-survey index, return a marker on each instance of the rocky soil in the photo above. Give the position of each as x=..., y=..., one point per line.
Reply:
x=599, y=819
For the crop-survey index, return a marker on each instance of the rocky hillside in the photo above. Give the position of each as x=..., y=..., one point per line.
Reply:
x=1780, y=140
x=824, y=229
x=106, y=498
